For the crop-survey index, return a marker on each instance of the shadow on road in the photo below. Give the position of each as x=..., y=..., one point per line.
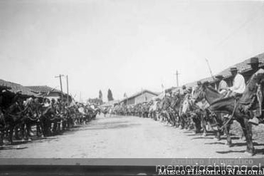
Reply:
x=230, y=151
x=111, y=125
x=10, y=147
x=239, y=144
x=201, y=137
x=232, y=137
x=259, y=151
x=213, y=143
x=196, y=134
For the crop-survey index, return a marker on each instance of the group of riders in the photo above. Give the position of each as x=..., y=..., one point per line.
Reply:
x=204, y=107
x=200, y=108
x=23, y=117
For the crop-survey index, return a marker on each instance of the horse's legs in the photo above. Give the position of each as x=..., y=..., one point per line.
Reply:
x=197, y=123
x=226, y=130
x=228, y=138
x=16, y=131
x=1, y=138
x=168, y=117
x=174, y=117
x=11, y=134
x=40, y=128
x=22, y=128
x=28, y=126
x=59, y=126
x=218, y=122
x=247, y=129
x=54, y=127
x=183, y=122
x=189, y=122
x=177, y=120
x=203, y=124
x=46, y=127
x=155, y=116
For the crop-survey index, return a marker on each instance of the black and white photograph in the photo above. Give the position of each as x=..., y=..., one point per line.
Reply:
x=131, y=79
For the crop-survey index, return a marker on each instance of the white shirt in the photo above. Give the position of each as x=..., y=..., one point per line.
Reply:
x=239, y=84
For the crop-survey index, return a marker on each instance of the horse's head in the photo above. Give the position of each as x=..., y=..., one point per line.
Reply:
x=199, y=92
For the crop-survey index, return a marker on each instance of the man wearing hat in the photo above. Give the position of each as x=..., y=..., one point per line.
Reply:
x=198, y=84
x=254, y=63
x=222, y=87
x=183, y=90
x=239, y=84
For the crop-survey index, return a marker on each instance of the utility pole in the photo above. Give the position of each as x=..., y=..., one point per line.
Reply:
x=67, y=89
x=60, y=85
x=177, y=79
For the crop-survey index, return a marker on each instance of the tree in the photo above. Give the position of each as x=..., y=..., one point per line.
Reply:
x=125, y=95
x=100, y=95
x=110, y=95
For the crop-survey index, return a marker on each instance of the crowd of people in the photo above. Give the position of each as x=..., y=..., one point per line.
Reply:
x=23, y=117
x=194, y=108
x=184, y=108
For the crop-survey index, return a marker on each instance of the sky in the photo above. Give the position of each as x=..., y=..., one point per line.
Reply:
x=124, y=45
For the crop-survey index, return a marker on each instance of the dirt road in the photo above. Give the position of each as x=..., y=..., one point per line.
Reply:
x=128, y=137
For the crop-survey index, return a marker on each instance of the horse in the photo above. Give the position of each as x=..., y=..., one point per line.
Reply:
x=211, y=95
x=47, y=118
x=13, y=117
x=153, y=110
x=247, y=106
x=175, y=106
x=183, y=112
x=203, y=113
x=32, y=115
x=166, y=110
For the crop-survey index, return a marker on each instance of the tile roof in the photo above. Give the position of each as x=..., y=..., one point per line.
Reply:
x=242, y=67
x=42, y=89
x=14, y=87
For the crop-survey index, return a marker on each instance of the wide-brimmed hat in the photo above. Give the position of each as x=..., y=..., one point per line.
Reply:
x=254, y=60
x=232, y=69
x=219, y=76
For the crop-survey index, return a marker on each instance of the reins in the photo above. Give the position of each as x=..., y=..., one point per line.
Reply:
x=232, y=115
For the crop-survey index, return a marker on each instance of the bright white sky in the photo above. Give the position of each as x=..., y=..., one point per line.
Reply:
x=124, y=45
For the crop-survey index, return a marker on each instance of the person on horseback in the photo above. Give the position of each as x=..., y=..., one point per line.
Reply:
x=222, y=87
x=254, y=64
x=46, y=102
x=183, y=90
x=239, y=84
